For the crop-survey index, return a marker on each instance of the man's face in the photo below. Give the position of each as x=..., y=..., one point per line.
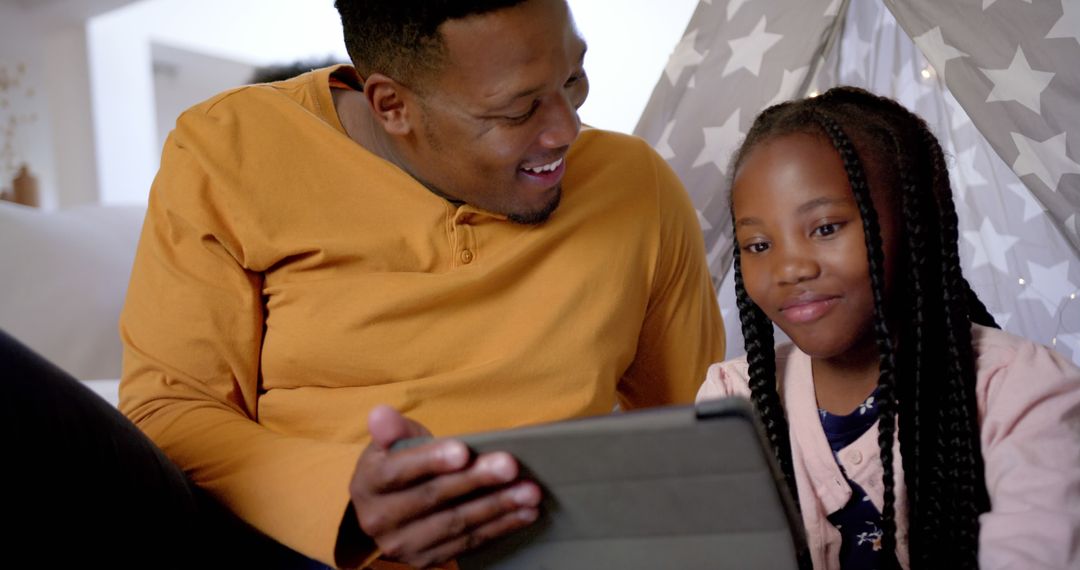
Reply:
x=496, y=120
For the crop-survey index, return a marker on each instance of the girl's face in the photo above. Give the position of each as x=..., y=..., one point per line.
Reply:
x=803, y=253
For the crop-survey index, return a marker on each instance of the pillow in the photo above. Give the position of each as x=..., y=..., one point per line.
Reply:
x=63, y=276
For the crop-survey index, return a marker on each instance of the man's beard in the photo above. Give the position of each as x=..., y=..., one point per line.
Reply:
x=539, y=216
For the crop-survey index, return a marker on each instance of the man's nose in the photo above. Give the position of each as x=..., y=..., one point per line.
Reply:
x=561, y=123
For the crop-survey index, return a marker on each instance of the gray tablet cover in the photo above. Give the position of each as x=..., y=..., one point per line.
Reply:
x=677, y=487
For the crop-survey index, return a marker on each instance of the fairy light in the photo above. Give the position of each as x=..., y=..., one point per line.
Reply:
x=1061, y=318
x=814, y=94
x=1022, y=282
x=926, y=73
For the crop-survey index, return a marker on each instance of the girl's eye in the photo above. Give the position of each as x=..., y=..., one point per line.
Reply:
x=825, y=230
x=757, y=247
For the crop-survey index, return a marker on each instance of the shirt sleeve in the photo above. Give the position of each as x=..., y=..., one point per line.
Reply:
x=192, y=329
x=682, y=333
x=721, y=381
x=1031, y=449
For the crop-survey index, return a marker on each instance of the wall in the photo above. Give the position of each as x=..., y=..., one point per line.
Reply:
x=629, y=44
x=183, y=77
x=25, y=126
x=55, y=139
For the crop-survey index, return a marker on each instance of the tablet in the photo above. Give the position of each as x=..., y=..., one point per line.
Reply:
x=676, y=487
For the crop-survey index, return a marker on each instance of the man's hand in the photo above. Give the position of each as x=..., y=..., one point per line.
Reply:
x=428, y=504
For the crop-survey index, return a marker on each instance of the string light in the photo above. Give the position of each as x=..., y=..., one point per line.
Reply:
x=926, y=73
x=1022, y=282
x=814, y=94
x=1061, y=320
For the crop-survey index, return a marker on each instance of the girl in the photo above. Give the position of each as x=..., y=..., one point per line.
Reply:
x=911, y=430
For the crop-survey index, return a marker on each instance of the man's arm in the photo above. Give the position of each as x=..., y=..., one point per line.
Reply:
x=192, y=328
x=682, y=333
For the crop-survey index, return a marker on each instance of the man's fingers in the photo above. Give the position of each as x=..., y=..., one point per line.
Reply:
x=448, y=533
x=408, y=503
x=387, y=426
x=380, y=472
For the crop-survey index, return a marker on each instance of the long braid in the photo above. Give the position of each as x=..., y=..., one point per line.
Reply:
x=876, y=259
x=914, y=340
x=761, y=357
x=965, y=470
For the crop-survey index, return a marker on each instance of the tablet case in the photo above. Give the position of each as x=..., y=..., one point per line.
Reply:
x=678, y=487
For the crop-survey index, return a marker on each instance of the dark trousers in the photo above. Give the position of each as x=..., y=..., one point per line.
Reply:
x=81, y=486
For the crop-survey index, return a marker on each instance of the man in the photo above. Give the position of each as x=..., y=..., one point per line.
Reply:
x=431, y=235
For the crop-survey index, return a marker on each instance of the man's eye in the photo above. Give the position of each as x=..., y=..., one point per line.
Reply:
x=574, y=79
x=524, y=116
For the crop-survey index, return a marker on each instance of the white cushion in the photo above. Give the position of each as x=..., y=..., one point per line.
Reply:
x=63, y=276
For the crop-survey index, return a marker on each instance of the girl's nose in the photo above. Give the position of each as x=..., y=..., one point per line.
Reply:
x=795, y=269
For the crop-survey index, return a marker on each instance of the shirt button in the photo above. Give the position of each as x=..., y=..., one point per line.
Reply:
x=466, y=256
x=855, y=457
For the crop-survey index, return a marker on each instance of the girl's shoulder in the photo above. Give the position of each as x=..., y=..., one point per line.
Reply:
x=732, y=377
x=998, y=351
x=1014, y=372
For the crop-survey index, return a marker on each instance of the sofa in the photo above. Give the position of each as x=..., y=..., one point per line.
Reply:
x=63, y=276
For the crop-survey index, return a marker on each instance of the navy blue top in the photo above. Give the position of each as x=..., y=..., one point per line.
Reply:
x=859, y=521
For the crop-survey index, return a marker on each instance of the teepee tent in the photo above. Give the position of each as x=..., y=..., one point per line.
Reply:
x=997, y=81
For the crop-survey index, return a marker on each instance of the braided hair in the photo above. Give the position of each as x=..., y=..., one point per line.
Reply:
x=926, y=380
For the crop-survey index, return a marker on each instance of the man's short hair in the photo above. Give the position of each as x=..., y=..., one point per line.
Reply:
x=400, y=38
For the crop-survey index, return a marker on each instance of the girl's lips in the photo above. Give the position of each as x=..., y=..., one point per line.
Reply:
x=810, y=310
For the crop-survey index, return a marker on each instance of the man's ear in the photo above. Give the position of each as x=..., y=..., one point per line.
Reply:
x=389, y=102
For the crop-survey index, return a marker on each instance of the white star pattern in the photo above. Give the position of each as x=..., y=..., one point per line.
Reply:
x=663, y=146
x=1032, y=207
x=1048, y=285
x=990, y=246
x=1070, y=341
x=1068, y=26
x=958, y=117
x=987, y=3
x=748, y=51
x=859, y=50
x=721, y=248
x=1046, y=159
x=705, y=225
x=788, y=85
x=685, y=55
x=933, y=46
x=965, y=164
x=733, y=8
x=720, y=142
x=1019, y=82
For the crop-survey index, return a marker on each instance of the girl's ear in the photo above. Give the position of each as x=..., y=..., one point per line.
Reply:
x=389, y=102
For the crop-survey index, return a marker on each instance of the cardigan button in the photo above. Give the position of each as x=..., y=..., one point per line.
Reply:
x=855, y=457
x=466, y=256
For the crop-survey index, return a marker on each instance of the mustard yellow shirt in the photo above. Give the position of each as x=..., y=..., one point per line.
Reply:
x=287, y=281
